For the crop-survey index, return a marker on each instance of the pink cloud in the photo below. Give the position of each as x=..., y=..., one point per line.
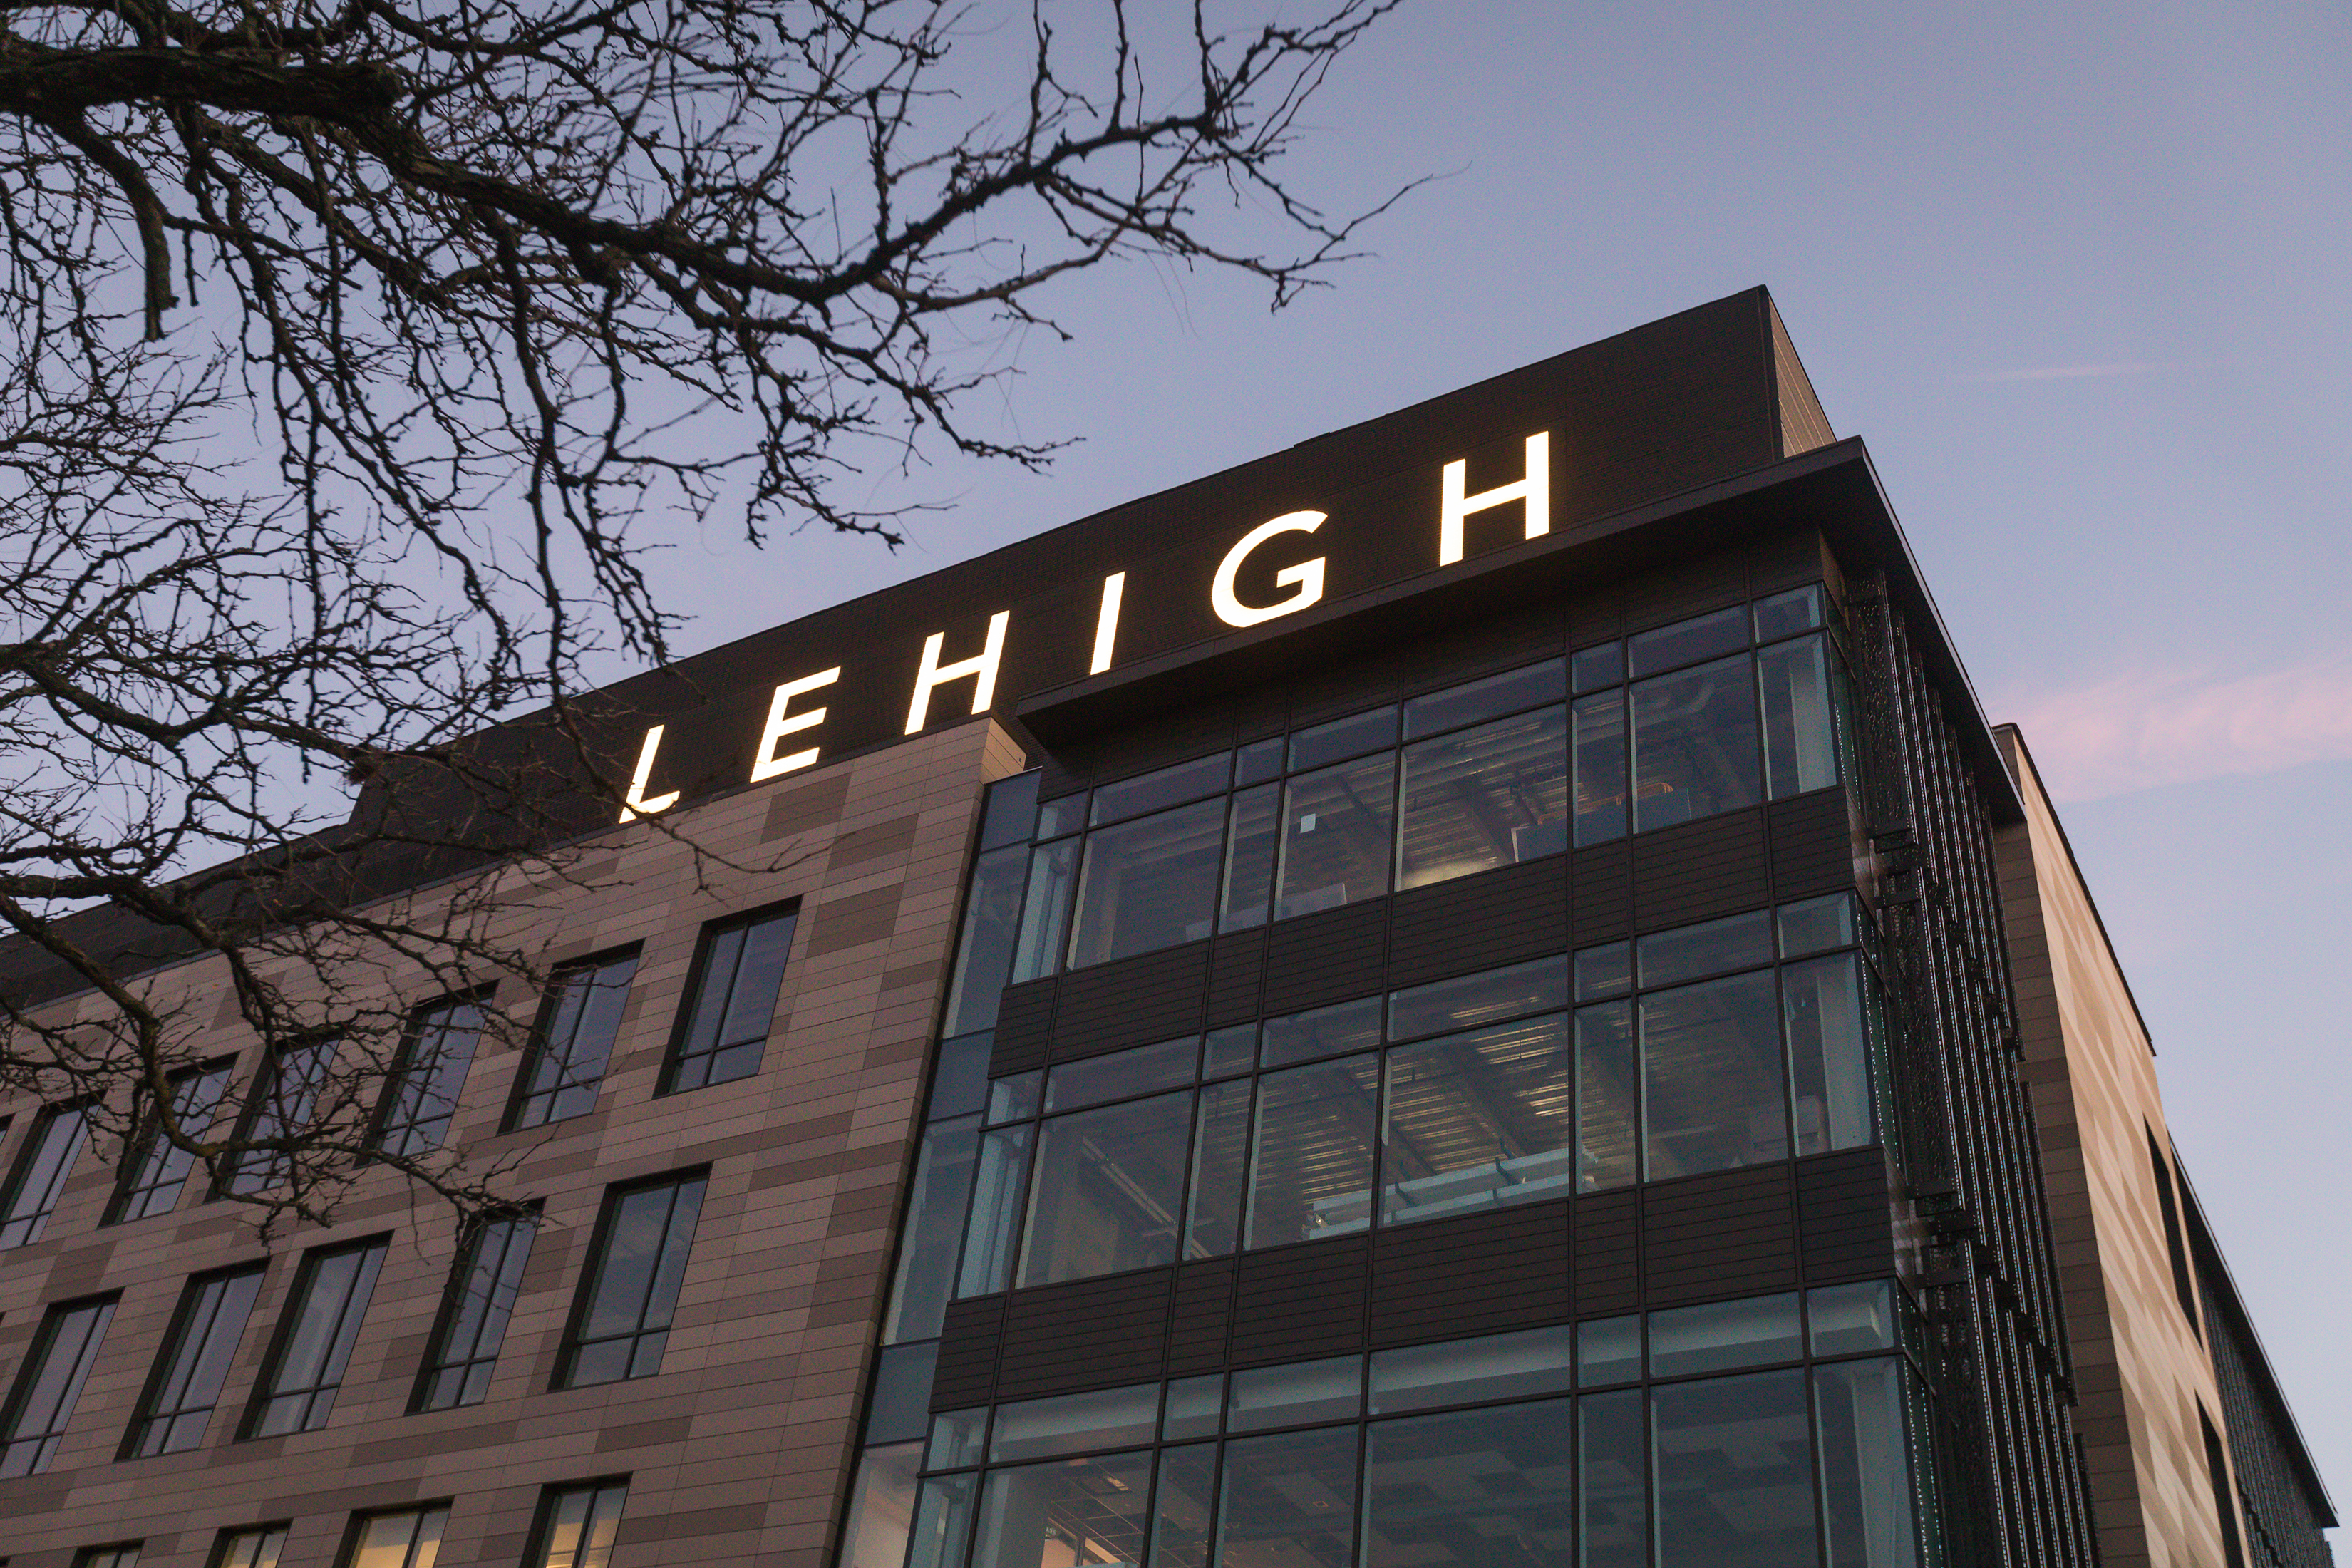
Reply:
x=2140, y=731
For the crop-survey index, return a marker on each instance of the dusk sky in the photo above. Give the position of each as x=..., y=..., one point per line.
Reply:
x=2079, y=276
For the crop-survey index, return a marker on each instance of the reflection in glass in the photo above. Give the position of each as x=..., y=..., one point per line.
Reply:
x=1311, y=1164
x=1258, y=761
x=1168, y=786
x=153, y=1177
x=1109, y=1191
x=1212, y=1215
x=1850, y=1318
x=1723, y=1336
x=1014, y=1097
x=1121, y=1074
x=1180, y=1510
x=942, y=1522
x=1600, y=749
x=1712, y=1093
x=1797, y=610
x=1335, y=836
x=1608, y=1098
x=408, y=1539
x=421, y=1096
x=40, y=1174
x=1297, y=1395
x=1866, y=1487
x=882, y=1508
x=1480, y=798
x=1612, y=1519
x=1486, y=997
x=1324, y=1032
x=959, y=1438
x=1605, y=972
x=579, y=1021
x=1734, y=1472
x=1065, y=1513
x=1478, y=1120
x=898, y=1410
x=1592, y=668
x=1509, y=692
x=1045, y=911
x=1230, y=1050
x=996, y=1201
x=1609, y=1349
x=631, y=1289
x=321, y=1323
x=992, y=913
x=1710, y=947
x=193, y=1364
x=1701, y=637
x=1464, y=1371
x=1694, y=744
x=1066, y=815
x=1816, y=925
x=1251, y=839
x=1149, y=884
x=1477, y=1488
x=1800, y=749
x=1011, y=813
x=1289, y=1502
x=960, y=1077
x=1072, y=1423
x=48, y=1386
x=1195, y=1406
x=1348, y=737
x=583, y=1523
x=1829, y=1055
x=726, y=1026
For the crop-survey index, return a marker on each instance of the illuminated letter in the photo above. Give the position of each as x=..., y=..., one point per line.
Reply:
x=982, y=667
x=1107, y=623
x=1535, y=490
x=1307, y=575
x=634, y=804
x=766, y=764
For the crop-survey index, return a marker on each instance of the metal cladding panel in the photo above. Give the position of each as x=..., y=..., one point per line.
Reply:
x=1236, y=978
x=1813, y=844
x=1479, y=1273
x=1325, y=957
x=968, y=1340
x=1607, y=1254
x=1845, y=1217
x=1024, y=1022
x=1201, y=1319
x=1296, y=1304
x=1089, y=1333
x=1601, y=892
x=1696, y=871
x=1475, y=922
x=1732, y=1232
x=1152, y=996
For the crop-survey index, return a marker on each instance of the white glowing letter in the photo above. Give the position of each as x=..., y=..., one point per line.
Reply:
x=1107, y=623
x=766, y=764
x=634, y=804
x=982, y=666
x=1535, y=490
x=1307, y=576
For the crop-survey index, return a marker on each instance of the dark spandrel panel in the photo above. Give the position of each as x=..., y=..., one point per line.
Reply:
x=1301, y=1302
x=1463, y=1276
x=1022, y=1025
x=1684, y=591
x=1089, y=1333
x=1698, y=870
x=1155, y=996
x=1731, y=1234
x=1812, y=846
x=1600, y=893
x=1201, y=1318
x=1325, y=957
x=1493, y=918
x=966, y=1373
x=1236, y=974
x=1608, y=1251
x=1845, y=1216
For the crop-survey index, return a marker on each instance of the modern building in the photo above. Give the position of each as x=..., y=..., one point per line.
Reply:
x=1474, y=992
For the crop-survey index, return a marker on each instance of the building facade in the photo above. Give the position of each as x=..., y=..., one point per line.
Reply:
x=1479, y=990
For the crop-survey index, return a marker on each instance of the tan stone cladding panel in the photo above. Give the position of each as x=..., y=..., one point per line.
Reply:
x=736, y=1451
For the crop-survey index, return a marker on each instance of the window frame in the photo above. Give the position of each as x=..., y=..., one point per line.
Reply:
x=343, y=1332
x=454, y=1295
x=32, y=1370
x=392, y=1113
x=592, y=1274
x=230, y=1535
x=110, y=1554
x=535, y=1049
x=263, y=1168
x=170, y=1352
x=151, y=1144
x=33, y=1147
x=674, y=1057
x=550, y=1497
x=347, y=1555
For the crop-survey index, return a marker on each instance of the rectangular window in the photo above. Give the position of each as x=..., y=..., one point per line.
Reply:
x=315, y=1335
x=403, y=1538
x=473, y=1323
x=1108, y=1192
x=285, y=1091
x=1335, y=842
x=1712, y=1090
x=1733, y=1469
x=1694, y=748
x=48, y=1384
x=1470, y=1488
x=1478, y=1120
x=1480, y=798
x=420, y=1096
x=1149, y=884
x=1613, y=1507
x=579, y=1019
x=725, y=1028
x=1800, y=720
x=1311, y=1162
x=1251, y=839
x=157, y=1169
x=123, y=1554
x=2168, y=1206
x=992, y=916
x=1068, y=1510
x=629, y=1292
x=577, y=1525
x=42, y=1166
x=254, y=1546
x=1290, y=1498
x=934, y=1230
x=186, y=1383
x=1600, y=754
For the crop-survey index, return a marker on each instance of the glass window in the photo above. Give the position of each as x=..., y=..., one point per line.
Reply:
x=315, y=1336
x=934, y=1233
x=1613, y=1517
x=1599, y=730
x=260, y=1547
x=1066, y=815
x=1816, y=924
x=1800, y=729
x=725, y=1028
x=1701, y=637
x=1605, y=972
x=881, y=1508
x=1712, y=1088
x=48, y=1386
x=1480, y=1120
x=1010, y=816
x=1230, y=1050
x=1288, y=1499
x=1044, y=913
x=407, y=1538
x=1866, y=1484
x=1181, y=1504
x=1531, y=686
x=1591, y=668
x=40, y=1174
x=1480, y=798
x=1724, y=1336
x=1066, y=1512
x=1149, y=884
x=1477, y=1488
x=578, y=1523
x=1168, y=786
x=124, y=1555
x=472, y=1329
x=1829, y=1053
x=1297, y=1395
x=629, y=1290
x=1487, y=997
x=1212, y=1211
x=1014, y=1097
x=286, y=1088
x=896, y=1411
x=1252, y=837
x=1322, y=1032
x=959, y=1438
x=1465, y=1372
x=1194, y=1406
x=1797, y=610
x=156, y=1171
x=942, y=1522
x=1734, y=1470
x=991, y=917
x=1311, y=1162
x=1258, y=761
x=1335, y=836
x=1342, y=738
x=997, y=1192
x=1073, y=1423
x=1710, y=947
x=421, y=1094
x=1608, y=1098
x=578, y=1021
x=1122, y=1074
x=186, y=1381
x=959, y=1080
x=1108, y=1194
x=1849, y=1318
x=1609, y=1349
x=1694, y=744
